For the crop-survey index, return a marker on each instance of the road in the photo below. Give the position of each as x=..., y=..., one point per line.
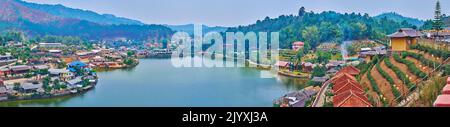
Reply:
x=320, y=97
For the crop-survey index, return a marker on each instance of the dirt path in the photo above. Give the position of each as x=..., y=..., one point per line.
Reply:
x=402, y=87
x=384, y=86
x=365, y=83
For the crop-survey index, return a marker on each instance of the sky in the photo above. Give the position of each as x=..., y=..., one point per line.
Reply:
x=243, y=12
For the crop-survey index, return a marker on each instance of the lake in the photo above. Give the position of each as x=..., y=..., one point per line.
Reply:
x=156, y=83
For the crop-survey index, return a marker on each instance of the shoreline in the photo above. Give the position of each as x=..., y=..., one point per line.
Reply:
x=291, y=75
x=68, y=94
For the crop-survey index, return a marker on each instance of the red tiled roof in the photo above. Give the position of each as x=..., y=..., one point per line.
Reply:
x=346, y=86
x=350, y=99
x=446, y=89
x=282, y=63
x=442, y=101
x=342, y=77
x=448, y=80
x=298, y=43
x=350, y=70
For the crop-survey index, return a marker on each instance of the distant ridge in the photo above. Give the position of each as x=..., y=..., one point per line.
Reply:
x=399, y=18
x=41, y=19
x=189, y=28
x=65, y=12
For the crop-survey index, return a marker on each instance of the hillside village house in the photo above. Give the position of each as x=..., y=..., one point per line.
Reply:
x=404, y=37
x=6, y=59
x=50, y=45
x=14, y=70
x=297, y=45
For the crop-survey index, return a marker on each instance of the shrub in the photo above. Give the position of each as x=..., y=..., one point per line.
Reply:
x=401, y=75
x=386, y=76
x=411, y=66
x=375, y=88
x=422, y=59
x=439, y=53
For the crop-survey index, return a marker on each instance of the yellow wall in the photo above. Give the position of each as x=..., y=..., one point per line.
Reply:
x=398, y=44
x=414, y=41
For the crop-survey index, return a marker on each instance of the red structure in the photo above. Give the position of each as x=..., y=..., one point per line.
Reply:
x=347, y=85
x=297, y=45
x=446, y=89
x=342, y=77
x=347, y=91
x=349, y=70
x=442, y=101
x=351, y=98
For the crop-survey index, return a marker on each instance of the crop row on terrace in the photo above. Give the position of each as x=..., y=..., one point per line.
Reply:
x=411, y=66
x=391, y=81
x=401, y=75
x=427, y=62
x=439, y=53
x=375, y=88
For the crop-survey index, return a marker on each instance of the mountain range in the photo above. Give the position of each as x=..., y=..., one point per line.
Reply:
x=189, y=28
x=399, y=18
x=41, y=19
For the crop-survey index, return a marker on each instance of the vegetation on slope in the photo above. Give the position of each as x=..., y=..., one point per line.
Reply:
x=401, y=75
x=411, y=66
x=314, y=28
x=386, y=76
x=375, y=88
x=436, y=52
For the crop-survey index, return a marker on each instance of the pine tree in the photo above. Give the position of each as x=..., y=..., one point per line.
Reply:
x=438, y=24
x=301, y=12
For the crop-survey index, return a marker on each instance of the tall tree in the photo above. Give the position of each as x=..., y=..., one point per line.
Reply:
x=301, y=12
x=311, y=36
x=438, y=24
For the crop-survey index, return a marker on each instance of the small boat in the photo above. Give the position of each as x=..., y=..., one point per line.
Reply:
x=73, y=91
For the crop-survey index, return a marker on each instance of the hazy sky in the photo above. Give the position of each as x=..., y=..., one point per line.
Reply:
x=242, y=12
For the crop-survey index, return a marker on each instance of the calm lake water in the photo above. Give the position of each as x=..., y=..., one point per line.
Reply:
x=156, y=83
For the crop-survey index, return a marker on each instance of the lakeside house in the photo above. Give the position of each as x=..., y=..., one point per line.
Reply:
x=282, y=64
x=75, y=82
x=404, y=37
x=296, y=99
x=307, y=66
x=62, y=74
x=31, y=87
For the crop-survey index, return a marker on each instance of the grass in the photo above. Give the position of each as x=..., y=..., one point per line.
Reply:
x=431, y=90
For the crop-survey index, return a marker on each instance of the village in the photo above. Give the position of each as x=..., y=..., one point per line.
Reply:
x=44, y=70
x=371, y=73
